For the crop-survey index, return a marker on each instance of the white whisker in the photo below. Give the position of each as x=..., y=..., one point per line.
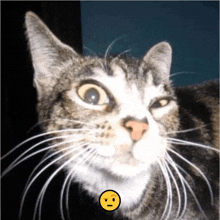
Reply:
x=90, y=154
x=177, y=188
x=195, y=167
x=68, y=188
x=15, y=163
x=43, y=169
x=35, y=137
x=193, y=194
x=115, y=58
x=42, y=192
x=96, y=56
x=90, y=50
x=183, y=142
x=178, y=73
x=32, y=173
x=67, y=197
x=47, y=158
x=108, y=49
x=174, y=165
x=186, y=130
x=167, y=180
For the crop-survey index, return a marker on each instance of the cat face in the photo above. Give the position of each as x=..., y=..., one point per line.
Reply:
x=100, y=103
x=109, y=117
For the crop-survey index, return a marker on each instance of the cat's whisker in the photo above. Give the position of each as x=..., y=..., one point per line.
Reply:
x=196, y=168
x=86, y=157
x=91, y=161
x=178, y=73
x=107, y=51
x=173, y=164
x=35, y=137
x=19, y=159
x=90, y=50
x=68, y=180
x=67, y=198
x=167, y=181
x=47, y=183
x=32, y=173
x=16, y=161
x=45, y=186
x=183, y=142
x=170, y=193
x=68, y=188
x=42, y=170
x=193, y=194
x=48, y=157
x=182, y=72
x=186, y=130
x=96, y=56
x=115, y=58
x=177, y=188
x=66, y=184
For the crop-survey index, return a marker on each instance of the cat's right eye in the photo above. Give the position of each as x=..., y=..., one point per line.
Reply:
x=92, y=94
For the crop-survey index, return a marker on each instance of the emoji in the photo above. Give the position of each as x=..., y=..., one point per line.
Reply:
x=109, y=200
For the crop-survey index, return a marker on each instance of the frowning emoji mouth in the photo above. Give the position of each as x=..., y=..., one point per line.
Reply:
x=109, y=200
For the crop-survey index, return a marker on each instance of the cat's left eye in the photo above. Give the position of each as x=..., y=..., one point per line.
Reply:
x=160, y=103
x=92, y=94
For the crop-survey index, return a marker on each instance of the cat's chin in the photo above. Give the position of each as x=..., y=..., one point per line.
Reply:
x=126, y=170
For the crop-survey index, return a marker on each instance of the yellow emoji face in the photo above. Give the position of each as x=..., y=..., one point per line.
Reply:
x=109, y=200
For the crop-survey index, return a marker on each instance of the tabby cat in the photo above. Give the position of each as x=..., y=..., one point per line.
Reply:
x=116, y=122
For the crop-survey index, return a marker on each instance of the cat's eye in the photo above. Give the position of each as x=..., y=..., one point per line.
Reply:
x=92, y=94
x=160, y=103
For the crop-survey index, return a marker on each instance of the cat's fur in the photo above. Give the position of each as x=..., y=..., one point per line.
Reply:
x=172, y=171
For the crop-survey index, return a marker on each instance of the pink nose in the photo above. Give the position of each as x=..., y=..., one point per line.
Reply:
x=136, y=129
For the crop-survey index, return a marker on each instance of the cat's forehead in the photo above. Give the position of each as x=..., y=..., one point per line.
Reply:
x=124, y=80
x=115, y=67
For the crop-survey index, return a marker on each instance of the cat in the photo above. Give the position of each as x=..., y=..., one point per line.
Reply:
x=117, y=122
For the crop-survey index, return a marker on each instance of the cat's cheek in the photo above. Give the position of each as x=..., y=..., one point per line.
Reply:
x=149, y=153
x=106, y=151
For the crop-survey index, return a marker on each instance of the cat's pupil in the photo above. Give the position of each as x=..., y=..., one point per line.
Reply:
x=92, y=96
x=156, y=105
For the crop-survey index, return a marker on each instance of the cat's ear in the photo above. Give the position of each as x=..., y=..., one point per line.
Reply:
x=158, y=60
x=48, y=53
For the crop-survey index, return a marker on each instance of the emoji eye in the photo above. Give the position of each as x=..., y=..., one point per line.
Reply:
x=106, y=200
x=113, y=199
x=92, y=94
x=160, y=103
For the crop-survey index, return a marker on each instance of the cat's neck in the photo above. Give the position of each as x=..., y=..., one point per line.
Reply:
x=129, y=189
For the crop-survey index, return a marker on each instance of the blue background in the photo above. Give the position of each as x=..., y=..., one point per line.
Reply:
x=192, y=29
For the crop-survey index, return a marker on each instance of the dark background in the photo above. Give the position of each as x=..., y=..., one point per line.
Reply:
x=190, y=27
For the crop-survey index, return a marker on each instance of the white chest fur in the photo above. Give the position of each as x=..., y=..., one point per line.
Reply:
x=129, y=189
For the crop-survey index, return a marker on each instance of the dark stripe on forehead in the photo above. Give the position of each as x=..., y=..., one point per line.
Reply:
x=121, y=64
x=86, y=71
x=168, y=88
x=108, y=70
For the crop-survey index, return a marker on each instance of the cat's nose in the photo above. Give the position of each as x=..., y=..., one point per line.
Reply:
x=136, y=129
